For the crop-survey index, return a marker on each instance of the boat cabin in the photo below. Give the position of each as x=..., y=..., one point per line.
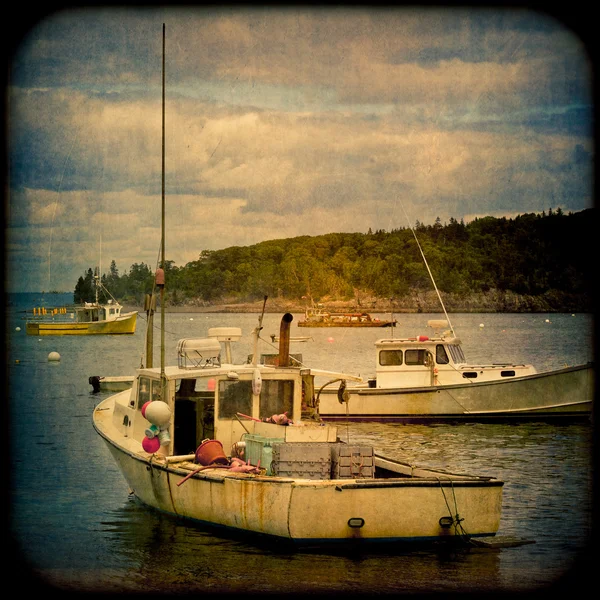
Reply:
x=91, y=312
x=211, y=399
x=423, y=361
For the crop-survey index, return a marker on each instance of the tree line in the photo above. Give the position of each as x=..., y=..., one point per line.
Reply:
x=530, y=255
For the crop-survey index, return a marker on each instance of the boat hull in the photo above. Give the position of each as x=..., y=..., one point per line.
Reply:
x=286, y=508
x=396, y=509
x=123, y=325
x=564, y=394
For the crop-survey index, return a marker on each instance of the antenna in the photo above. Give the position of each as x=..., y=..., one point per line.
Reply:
x=162, y=245
x=257, y=331
x=428, y=269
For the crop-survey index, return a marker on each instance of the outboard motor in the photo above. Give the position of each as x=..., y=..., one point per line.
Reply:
x=94, y=381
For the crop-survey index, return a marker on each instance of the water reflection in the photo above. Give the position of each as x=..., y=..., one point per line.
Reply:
x=169, y=556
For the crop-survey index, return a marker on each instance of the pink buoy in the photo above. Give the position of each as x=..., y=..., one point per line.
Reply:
x=330, y=339
x=151, y=445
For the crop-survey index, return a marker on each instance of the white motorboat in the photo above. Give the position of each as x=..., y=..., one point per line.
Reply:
x=428, y=378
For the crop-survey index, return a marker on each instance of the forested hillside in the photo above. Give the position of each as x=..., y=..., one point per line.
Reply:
x=530, y=262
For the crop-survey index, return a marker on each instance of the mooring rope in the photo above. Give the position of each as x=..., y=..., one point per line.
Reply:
x=457, y=520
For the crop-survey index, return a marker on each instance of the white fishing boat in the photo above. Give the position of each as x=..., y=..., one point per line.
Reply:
x=241, y=446
x=427, y=378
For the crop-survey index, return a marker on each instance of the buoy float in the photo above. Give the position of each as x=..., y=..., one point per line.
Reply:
x=144, y=407
x=158, y=413
x=151, y=445
x=54, y=356
x=18, y=329
x=152, y=431
x=330, y=339
x=481, y=325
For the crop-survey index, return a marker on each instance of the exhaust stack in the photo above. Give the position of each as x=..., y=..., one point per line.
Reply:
x=284, y=340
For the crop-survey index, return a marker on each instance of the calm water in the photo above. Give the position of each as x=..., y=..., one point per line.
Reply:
x=74, y=524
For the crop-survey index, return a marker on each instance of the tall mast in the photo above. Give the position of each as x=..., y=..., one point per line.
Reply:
x=162, y=243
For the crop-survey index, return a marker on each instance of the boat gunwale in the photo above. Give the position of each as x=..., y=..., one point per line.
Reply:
x=366, y=391
x=437, y=478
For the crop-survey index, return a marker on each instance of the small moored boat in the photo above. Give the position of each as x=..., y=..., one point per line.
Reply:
x=89, y=318
x=320, y=317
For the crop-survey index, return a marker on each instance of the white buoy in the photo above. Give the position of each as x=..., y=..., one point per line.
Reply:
x=18, y=329
x=158, y=413
x=481, y=325
x=54, y=356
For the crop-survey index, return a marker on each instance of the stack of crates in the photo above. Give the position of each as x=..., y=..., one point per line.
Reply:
x=309, y=460
x=351, y=461
x=259, y=450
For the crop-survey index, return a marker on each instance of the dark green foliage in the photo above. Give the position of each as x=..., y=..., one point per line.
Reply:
x=537, y=255
x=84, y=290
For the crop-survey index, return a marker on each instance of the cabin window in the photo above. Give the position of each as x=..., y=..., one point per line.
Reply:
x=441, y=358
x=276, y=397
x=415, y=357
x=186, y=388
x=470, y=374
x=507, y=373
x=234, y=397
x=456, y=353
x=148, y=389
x=390, y=358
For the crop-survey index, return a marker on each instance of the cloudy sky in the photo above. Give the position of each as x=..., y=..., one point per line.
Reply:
x=279, y=123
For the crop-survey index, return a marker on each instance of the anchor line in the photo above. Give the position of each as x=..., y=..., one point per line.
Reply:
x=456, y=519
x=347, y=420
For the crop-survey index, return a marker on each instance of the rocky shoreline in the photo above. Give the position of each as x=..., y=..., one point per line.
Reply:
x=488, y=302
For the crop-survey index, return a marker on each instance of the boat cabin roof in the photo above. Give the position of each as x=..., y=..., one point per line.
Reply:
x=421, y=340
x=231, y=371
